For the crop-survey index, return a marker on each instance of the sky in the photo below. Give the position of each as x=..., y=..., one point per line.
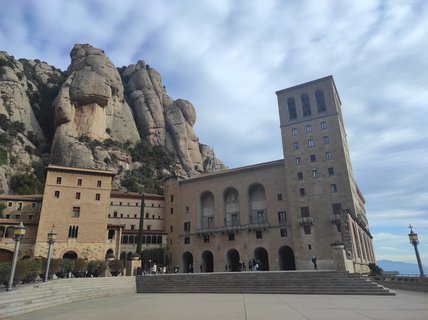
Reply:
x=228, y=57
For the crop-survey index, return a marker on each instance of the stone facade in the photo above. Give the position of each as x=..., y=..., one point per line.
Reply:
x=279, y=213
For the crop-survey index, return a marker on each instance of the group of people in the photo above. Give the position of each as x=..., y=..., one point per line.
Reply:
x=253, y=265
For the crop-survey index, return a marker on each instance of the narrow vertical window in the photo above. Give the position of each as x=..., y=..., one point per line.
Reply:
x=319, y=95
x=79, y=182
x=58, y=180
x=323, y=125
x=302, y=192
x=77, y=195
x=315, y=173
x=300, y=175
x=325, y=140
x=328, y=156
x=333, y=188
x=99, y=182
x=291, y=108
x=279, y=196
x=295, y=146
x=294, y=131
x=97, y=197
x=310, y=143
x=308, y=128
x=56, y=194
x=298, y=161
x=306, y=106
x=313, y=158
x=331, y=171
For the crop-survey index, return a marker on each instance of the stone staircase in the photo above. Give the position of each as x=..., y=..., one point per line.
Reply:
x=273, y=282
x=40, y=295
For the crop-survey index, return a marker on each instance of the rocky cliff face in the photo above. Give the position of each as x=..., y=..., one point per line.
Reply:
x=92, y=116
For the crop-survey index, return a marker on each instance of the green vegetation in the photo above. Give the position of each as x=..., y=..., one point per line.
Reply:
x=3, y=206
x=3, y=156
x=27, y=183
x=375, y=270
x=150, y=176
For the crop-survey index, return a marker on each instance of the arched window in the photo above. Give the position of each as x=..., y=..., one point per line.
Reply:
x=319, y=95
x=258, y=212
x=231, y=207
x=306, y=106
x=207, y=210
x=291, y=108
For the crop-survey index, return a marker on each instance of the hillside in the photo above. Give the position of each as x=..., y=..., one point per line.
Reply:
x=94, y=115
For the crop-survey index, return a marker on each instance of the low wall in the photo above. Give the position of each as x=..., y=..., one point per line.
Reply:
x=404, y=283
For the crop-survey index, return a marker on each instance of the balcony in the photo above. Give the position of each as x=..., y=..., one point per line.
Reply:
x=258, y=220
x=306, y=221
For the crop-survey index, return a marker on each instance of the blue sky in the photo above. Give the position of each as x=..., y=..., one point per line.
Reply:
x=229, y=57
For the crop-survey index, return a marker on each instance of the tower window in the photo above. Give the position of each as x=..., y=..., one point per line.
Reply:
x=315, y=173
x=302, y=192
x=306, y=106
x=79, y=182
x=56, y=194
x=313, y=158
x=310, y=143
x=279, y=196
x=308, y=128
x=331, y=171
x=294, y=131
x=300, y=175
x=283, y=232
x=325, y=140
x=58, y=180
x=307, y=229
x=187, y=240
x=328, y=156
x=319, y=95
x=291, y=108
x=259, y=234
x=333, y=188
x=231, y=237
x=97, y=196
x=323, y=125
x=99, y=182
x=77, y=195
x=298, y=161
x=295, y=145
x=76, y=212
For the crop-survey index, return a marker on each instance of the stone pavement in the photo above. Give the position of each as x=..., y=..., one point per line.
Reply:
x=406, y=305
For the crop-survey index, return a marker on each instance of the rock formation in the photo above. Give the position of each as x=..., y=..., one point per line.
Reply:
x=86, y=112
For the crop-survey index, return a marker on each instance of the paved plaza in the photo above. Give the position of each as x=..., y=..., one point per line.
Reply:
x=406, y=305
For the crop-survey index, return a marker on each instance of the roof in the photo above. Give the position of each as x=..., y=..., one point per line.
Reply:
x=235, y=171
x=22, y=197
x=53, y=167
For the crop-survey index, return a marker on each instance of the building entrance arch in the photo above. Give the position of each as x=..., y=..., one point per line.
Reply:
x=286, y=258
x=233, y=260
x=207, y=261
x=187, y=260
x=262, y=257
x=70, y=255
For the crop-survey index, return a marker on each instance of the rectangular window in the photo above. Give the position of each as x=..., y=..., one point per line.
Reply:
x=206, y=238
x=313, y=158
x=79, y=182
x=171, y=211
x=171, y=228
x=308, y=128
x=9, y=204
x=323, y=124
x=231, y=237
x=172, y=198
x=298, y=161
x=282, y=217
x=149, y=227
x=187, y=209
x=187, y=240
x=300, y=175
x=77, y=195
x=187, y=227
x=333, y=188
x=58, y=180
x=304, y=212
x=132, y=226
x=328, y=156
x=99, y=182
x=283, y=232
x=76, y=212
x=33, y=205
x=279, y=196
x=56, y=194
x=302, y=192
x=325, y=140
x=294, y=131
x=295, y=146
x=97, y=196
x=19, y=206
x=331, y=171
x=315, y=173
x=121, y=215
x=310, y=143
x=259, y=234
x=307, y=229
x=135, y=216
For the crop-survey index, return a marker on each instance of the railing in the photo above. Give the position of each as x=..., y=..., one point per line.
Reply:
x=306, y=221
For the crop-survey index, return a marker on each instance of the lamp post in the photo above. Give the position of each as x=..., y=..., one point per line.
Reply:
x=413, y=237
x=51, y=241
x=18, y=234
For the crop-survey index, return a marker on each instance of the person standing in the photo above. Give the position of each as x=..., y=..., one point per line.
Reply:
x=314, y=261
